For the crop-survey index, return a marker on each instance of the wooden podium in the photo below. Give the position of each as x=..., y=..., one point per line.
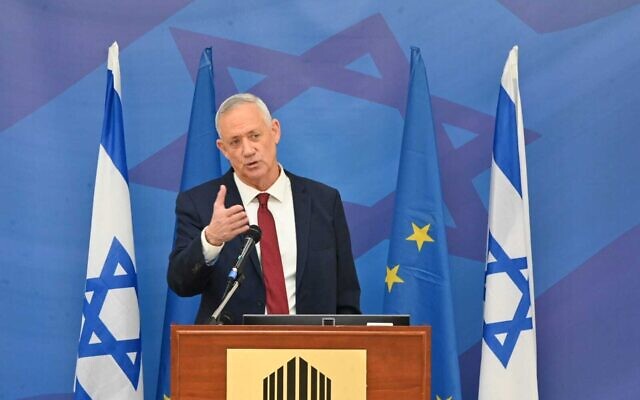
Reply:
x=398, y=359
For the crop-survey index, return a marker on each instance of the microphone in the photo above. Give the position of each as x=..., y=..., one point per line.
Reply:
x=236, y=276
x=250, y=239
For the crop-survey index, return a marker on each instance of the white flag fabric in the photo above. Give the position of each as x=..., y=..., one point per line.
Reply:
x=109, y=362
x=508, y=366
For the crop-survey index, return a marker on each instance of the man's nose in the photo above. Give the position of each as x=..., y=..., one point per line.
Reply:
x=247, y=148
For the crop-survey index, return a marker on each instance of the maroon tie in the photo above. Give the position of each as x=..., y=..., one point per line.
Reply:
x=271, y=261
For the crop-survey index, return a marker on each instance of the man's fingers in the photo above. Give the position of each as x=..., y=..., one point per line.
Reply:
x=235, y=209
x=222, y=192
x=240, y=223
x=241, y=229
x=228, y=216
x=231, y=231
x=227, y=222
x=235, y=215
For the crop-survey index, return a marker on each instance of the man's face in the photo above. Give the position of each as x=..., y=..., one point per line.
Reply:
x=249, y=143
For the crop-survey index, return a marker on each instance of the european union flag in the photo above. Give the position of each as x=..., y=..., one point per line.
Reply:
x=418, y=269
x=109, y=362
x=508, y=366
x=201, y=164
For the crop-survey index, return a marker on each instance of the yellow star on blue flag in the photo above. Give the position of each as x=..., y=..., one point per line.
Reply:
x=392, y=277
x=420, y=235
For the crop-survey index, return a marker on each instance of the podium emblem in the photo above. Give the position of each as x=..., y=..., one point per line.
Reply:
x=296, y=374
x=303, y=382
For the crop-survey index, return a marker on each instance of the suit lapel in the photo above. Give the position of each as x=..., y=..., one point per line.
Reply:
x=302, y=213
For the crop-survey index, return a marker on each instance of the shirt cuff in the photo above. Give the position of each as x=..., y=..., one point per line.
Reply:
x=209, y=251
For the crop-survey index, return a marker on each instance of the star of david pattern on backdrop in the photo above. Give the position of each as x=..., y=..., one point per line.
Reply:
x=326, y=66
x=574, y=256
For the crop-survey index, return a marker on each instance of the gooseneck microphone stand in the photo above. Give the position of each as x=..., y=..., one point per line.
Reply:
x=236, y=275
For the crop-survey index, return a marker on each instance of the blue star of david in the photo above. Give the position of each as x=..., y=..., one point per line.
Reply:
x=520, y=321
x=100, y=286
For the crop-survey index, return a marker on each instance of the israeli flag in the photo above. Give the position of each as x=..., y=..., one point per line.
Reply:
x=109, y=362
x=508, y=367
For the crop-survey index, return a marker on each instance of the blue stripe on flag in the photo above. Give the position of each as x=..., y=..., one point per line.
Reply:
x=505, y=143
x=112, y=130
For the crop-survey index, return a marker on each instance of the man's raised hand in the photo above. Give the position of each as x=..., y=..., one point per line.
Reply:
x=226, y=223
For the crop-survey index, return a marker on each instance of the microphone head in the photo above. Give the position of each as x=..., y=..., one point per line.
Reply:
x=254, y=233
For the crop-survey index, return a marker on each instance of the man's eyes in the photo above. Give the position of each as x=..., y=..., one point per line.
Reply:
x=254, y=137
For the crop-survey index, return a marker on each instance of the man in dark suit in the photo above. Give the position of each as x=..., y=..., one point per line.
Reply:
x=303, y=263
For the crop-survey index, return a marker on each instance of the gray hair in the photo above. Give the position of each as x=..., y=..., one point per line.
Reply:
x=242, y=98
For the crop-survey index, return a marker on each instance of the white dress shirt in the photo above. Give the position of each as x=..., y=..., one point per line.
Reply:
x=281, y=206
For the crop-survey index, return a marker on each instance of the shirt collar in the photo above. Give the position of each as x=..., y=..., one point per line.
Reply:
x=276, y=191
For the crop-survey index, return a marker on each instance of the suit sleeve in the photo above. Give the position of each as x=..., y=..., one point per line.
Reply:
x=188, y=272
x=348, y=289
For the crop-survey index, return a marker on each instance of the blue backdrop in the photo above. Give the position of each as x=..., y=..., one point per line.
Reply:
x=335, y=74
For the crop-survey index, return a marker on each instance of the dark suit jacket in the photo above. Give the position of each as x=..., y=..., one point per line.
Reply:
x=326, y=280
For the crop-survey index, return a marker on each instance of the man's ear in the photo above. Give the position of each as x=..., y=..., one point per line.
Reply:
x=275, y=127
x=220, y=145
